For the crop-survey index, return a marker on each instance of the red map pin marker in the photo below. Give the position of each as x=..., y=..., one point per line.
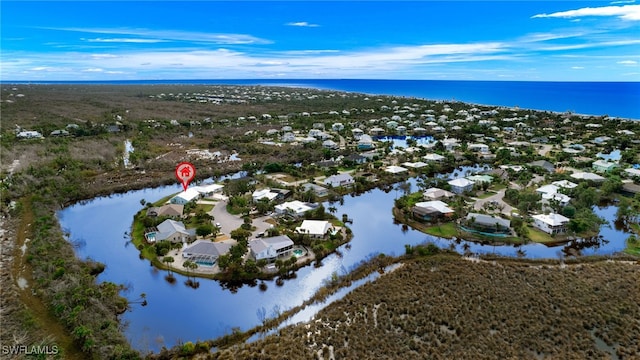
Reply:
x=185, y=172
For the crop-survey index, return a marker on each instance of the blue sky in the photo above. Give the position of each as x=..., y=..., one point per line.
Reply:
x=453, y=40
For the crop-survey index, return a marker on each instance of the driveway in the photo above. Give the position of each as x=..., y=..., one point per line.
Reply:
x=229, y=222
x=497, y=198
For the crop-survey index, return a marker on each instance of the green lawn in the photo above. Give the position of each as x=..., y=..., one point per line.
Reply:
x=539, y=236
x=486, y=195
x=205, y=207
x=446, y=230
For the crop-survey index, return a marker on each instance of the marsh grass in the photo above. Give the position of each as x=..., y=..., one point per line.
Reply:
x=442, y=307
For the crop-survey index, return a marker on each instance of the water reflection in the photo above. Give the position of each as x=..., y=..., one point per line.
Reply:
x=212, y=309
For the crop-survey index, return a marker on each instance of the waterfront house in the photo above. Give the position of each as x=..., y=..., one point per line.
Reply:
x=431, y=210
x=205, y=252
x=271, y=248
x=551, y=223
x=436, y=194
x=171, y=210
x=339, y=180
x=320, y=191
x=461, y=185
x=488, y=223
x=186, y=196
x=603, y=166
x=316, y=229
x=295, y=208
x=356, y=133
x=170, y=230
x=365, y=142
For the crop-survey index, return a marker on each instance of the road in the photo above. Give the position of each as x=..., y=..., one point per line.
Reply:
x=499, y=202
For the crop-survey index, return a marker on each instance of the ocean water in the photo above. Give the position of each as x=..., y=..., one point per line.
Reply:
x=616, y=99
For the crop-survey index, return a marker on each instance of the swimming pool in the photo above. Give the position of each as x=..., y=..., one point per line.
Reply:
x=298, y=252
x=205, y=263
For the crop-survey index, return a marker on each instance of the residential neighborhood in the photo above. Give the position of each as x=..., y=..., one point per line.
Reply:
x=523, y=182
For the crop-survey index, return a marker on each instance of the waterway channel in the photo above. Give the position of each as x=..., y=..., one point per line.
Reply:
x=178, y=313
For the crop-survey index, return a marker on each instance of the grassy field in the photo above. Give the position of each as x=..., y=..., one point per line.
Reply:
x=446, y=230
x=539, y=236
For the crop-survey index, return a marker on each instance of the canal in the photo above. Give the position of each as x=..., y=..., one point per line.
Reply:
x=176, y=313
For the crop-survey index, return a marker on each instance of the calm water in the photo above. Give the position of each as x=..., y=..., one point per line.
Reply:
x=617, y=99
x=98, y=229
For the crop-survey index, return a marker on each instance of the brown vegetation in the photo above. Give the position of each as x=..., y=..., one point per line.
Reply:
x=443, y=307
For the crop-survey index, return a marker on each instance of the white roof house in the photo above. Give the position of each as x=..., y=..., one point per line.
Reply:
x=314, y=228
x=434, y=157
x=587, y=176
x=263, y=194
x=271, y=248
x=460, y=185
x=564, y=184
x=436, y=193
x=551, y=223
x=438, y=205
x=186, y=196
x=208, y=189
x=339, y=180
x=632, y=172
x=559, y=197
x=295, y=207
x=547, y=189
x=395, y=169
x=415, y=165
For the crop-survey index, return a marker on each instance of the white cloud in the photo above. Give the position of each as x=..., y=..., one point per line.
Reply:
x=626, y=12
x=93, y=70
x=174, y=35
x=590, y=45
x=628, y=62
x=124, y=40
x=577, y=67
x=302, y=24
x=622, y=2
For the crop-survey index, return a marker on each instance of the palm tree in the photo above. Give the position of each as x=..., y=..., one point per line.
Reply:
x=168, y=260
x=332, y=209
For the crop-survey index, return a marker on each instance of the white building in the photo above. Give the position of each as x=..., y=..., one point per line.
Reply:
x=393, y=169
x=316, y=229
x=186, y=196
x=551, y=223
x=461, y=185
x=295, y=207
x=339, y=180
x=271, y=248
x=263, y=194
